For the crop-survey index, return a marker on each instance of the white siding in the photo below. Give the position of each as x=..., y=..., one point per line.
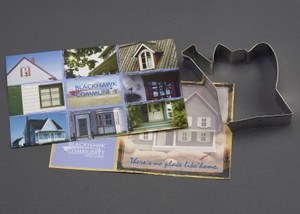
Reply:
x=36, y=74
x=31, y=100
x=49, y=126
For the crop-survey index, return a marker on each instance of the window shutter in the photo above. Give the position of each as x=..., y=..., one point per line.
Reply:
x=180, y=136
x=208, y=122
x=149, y=93
x=207, y=137
x=28, y=71
x=189, y=136
x=173, y=89
x=199, y=121
x=190, y=121
x=21, y=72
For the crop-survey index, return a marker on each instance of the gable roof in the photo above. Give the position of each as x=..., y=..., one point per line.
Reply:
x=24, y=58
x=168, y=58
x=148, y=45
x=39, y=124
x=201, y=97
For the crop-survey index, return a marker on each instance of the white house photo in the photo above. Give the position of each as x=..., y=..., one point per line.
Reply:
x=27, y=71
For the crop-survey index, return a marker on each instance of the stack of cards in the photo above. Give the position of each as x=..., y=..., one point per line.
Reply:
x=121, y=108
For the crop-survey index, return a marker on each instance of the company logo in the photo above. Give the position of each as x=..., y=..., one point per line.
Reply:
x=95, y=89
x=91, y=150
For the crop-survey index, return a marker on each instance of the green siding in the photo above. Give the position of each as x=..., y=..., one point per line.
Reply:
x=15, y=100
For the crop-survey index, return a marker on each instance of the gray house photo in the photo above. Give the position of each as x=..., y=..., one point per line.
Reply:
x=204, y=123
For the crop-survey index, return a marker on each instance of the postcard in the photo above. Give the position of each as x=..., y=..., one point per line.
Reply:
x=203, y=149
x=103, y=91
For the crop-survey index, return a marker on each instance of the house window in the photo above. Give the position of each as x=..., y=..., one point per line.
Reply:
x=25, y=71
x=203, y=137
x=146, y=136
x=58, y=135
x=43, y=136
x=106, y=123
x=184, y=136
x=160, y=89
x=146, y=60
x=51, y=95
x=204, y=122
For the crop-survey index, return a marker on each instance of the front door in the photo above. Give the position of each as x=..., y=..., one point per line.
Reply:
x=155, y=112
x=106, y=123
x=83, y=127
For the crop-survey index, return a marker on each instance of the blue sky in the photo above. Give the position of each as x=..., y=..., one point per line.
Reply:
x=17, y=123
x=51, y=61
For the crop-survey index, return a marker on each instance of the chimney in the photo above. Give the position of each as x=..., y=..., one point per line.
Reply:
x=32, y=59
x=27, y=132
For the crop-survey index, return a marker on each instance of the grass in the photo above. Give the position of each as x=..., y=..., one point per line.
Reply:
x=77, y=102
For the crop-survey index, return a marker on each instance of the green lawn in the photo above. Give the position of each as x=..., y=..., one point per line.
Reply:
x=77, y=102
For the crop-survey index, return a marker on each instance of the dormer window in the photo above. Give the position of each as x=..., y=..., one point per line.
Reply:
x=25, y=71
x=146, y=60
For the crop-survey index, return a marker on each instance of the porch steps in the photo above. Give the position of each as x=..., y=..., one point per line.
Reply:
x=154, y=125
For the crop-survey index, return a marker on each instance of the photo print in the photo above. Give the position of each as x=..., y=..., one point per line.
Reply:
x=35, y=82
x=104, y=90
x=39, y=129
x=202, y=149
x=92, y=61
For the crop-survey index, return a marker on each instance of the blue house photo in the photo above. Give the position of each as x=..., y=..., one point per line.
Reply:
x=38, y=131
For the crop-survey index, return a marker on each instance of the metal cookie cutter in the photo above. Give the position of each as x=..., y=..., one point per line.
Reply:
x=206, y=66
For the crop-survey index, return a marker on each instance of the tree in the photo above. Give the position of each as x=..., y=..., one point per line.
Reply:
x=179, y=118
x=79, y=58
x=134, y=116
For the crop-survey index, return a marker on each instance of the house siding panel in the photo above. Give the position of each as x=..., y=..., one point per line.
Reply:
x=31, y=100
x=193, y=105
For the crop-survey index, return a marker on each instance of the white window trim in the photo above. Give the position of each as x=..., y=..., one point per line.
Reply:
x=151, y=58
